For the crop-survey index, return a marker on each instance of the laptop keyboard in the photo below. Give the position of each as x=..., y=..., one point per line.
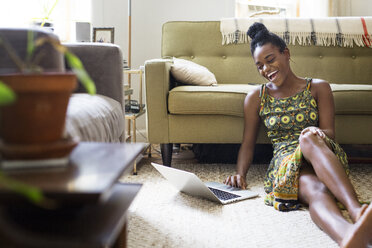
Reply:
x=223, y=195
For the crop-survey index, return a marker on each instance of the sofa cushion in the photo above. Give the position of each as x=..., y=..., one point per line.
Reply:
x=95, y=118
x=228, y=99
x=352, y=99
x=222, y=99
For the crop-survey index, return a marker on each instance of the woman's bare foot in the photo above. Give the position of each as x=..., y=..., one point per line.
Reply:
x=360, y=234
x=355, y=213
x=363, y=208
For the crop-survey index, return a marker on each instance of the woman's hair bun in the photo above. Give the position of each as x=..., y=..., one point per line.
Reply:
x=255, y=29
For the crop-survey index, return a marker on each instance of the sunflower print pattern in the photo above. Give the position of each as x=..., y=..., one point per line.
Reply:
x=285, y=118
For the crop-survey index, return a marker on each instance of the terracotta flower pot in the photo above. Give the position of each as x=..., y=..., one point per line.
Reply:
x=38, y=115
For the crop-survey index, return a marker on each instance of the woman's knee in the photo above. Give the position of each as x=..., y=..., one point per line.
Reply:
x=306, y=141
x=309, y=141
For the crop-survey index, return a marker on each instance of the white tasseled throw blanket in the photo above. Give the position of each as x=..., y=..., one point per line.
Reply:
x=329, y=31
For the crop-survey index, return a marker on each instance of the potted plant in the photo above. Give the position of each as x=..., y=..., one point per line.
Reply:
x=33, y=106
x=7, y=96
x=35, y=121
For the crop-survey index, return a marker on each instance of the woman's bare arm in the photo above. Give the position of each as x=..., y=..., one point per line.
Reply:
x=322, y=93
x=251, y=128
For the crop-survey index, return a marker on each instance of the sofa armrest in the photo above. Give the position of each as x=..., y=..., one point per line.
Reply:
x=104, y=63
x=48, y=58
x=157, y=83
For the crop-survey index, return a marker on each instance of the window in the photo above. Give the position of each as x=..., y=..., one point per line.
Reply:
x=283, y=8
x=64, y=14
x=261, y=8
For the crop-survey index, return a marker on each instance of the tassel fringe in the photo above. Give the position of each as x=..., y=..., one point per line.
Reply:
x=303, y=39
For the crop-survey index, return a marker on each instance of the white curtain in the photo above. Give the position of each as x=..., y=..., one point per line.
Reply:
x=340, y=7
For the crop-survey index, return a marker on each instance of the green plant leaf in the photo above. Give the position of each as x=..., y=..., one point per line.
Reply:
x=7, y=95
x=30, y=46
x=77, y=67
x=33, y=194
x=48, y=12
x=12, y=54
x=74, y=62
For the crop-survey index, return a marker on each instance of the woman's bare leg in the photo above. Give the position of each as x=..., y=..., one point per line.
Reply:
x=322, y=205
x=326, y=214
x=330, y=171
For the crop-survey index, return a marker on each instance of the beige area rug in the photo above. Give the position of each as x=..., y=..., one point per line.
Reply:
x=160, y=216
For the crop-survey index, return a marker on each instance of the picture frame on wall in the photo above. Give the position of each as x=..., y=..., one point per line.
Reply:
x=105, y=35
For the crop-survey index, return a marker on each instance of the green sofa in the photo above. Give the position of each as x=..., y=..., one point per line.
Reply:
x=214, y=114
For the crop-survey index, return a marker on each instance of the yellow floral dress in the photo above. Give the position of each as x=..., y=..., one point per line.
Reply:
x=285, y=118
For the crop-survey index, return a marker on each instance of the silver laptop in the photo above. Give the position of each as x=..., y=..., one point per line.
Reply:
x=190, y=184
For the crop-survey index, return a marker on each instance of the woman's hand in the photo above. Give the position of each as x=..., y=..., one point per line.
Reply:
x=315, y=131
x=236, y=181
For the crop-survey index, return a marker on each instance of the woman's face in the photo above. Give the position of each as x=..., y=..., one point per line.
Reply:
x=271, y=63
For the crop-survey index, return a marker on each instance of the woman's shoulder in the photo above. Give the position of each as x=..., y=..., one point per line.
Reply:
x=318, y=81
x=254, y=96
x=256, y=92
x=320, y=84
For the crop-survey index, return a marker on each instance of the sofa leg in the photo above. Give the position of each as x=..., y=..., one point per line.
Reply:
x=166, y=153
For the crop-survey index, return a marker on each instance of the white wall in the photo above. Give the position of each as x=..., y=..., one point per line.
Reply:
x=148, y=17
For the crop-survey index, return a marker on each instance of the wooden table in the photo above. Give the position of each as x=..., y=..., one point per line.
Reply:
x=92, y=208
x=96, y=225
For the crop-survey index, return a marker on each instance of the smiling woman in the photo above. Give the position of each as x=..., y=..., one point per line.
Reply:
x=308, y=167
x=62, y=13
